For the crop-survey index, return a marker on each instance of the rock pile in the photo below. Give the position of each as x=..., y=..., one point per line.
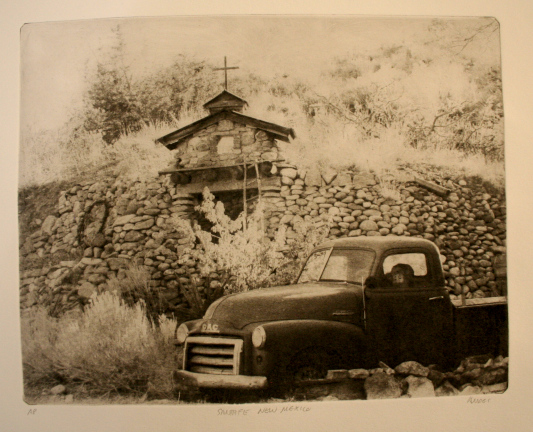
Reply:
x=475, y=376
x=103, y=225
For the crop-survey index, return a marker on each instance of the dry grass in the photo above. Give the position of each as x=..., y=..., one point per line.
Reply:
x=47, y=157
x=134, y=288
x=326, y=141
x=52, y=156
x=344, y=147
x=108, y=349
x=138, y=156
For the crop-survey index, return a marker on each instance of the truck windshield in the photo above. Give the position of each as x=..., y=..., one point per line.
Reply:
x=338, y=265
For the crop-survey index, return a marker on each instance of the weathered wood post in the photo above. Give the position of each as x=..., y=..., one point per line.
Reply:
x=244, y=203
x=259, y=200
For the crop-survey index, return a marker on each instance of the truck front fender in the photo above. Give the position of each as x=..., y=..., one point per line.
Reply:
x=343, y=343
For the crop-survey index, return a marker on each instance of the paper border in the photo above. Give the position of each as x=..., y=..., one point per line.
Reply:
x=510, y=411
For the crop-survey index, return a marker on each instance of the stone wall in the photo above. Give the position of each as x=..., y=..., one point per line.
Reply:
x=99, y=227
x=468, y=225
x=205, y=148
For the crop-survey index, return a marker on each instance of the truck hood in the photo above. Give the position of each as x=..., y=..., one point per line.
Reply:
x=319, y=301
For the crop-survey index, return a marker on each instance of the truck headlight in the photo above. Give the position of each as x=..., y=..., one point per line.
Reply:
x=182, y=333
x=259, y=337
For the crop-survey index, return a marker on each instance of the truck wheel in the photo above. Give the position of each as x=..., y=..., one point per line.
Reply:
x=309, y=365
x=304, y=366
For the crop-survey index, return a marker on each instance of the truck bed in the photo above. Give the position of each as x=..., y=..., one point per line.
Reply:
x=476, y=302
x=481, y=326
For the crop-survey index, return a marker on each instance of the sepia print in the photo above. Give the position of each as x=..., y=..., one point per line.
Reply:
x=269, y=209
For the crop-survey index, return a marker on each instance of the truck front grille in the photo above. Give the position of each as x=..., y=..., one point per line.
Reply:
x=213, y=355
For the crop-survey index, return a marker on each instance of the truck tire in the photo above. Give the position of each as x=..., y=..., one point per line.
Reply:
x=304, y=366
x=309, y=365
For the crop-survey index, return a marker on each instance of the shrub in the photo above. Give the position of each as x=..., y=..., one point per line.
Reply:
x=39, y=333
x=199, y=294
x=133, y=286
x=241, y=254
x=109, y=348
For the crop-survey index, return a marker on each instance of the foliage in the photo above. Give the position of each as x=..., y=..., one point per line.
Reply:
x=60, y=155
x=118, y=104
x=114, y=107
x=133, y=286
x=109, y=348
x=438, y=94
x=241, y=254
x=169, y=93
x=199, y=294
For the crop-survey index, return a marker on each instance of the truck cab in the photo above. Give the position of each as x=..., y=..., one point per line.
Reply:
x=357, y=301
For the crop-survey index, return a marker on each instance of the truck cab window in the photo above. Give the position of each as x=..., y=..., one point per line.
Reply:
x=313, y=266
x=348, y=265
x=343, y=265
x=406, y=269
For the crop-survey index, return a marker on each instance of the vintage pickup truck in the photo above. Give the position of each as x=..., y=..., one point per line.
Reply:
x=357, y=301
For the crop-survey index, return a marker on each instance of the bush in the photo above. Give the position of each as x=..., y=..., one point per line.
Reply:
x=240, y=253
x=199, y=294
x=109, y=348
x=134, y=286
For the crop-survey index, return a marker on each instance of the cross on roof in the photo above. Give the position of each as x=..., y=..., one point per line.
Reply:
x=225, y=69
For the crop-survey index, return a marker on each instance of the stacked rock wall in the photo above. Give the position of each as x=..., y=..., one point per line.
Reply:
x=248, y=143
x=99, y=227
x=468, y=225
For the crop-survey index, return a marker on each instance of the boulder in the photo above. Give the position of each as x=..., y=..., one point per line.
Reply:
x=313, y=177
x=329, y=176
x=361, y=194
x=343, y=179
x=48, y=225
x=96, y=240
x=91, y=261
x=446, y=389
x=144, y=225
x=58, y=390
x=337, y=374
x=388, y=370
x=289, y=172
x=287, y=181
x=117, y=263
x=436, y=377
x=399, y=229
x=133, y=236
x=382, y=386
x=286, y=219
x=368, y=225
x=86, y=290
x=470, y=390
x=495, y=388
x=419, y=387
x=358, y=374
x=494, y=376
x=372, y=212
x=363, y=180
x=412, y=368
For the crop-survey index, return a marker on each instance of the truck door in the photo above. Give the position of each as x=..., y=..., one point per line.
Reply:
x=412, y=320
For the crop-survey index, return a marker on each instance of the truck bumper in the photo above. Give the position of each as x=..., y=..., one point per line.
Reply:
x=234, y=382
